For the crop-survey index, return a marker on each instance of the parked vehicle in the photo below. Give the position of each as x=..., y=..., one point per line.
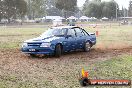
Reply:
x=57, y=40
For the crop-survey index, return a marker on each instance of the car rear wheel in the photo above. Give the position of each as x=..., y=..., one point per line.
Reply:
x=58, y=50
x=87, y=47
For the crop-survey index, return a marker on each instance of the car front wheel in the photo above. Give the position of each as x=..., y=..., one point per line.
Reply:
x=32, y=55
x=87, y=47
x=58, y=50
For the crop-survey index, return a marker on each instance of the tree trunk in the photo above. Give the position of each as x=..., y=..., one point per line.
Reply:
x=21, y=20
x=65, y=14
x=0, y=19
x=33, y=15
x=9, y=20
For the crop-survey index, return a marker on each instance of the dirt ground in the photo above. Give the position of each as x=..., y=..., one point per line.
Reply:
x=16, y=67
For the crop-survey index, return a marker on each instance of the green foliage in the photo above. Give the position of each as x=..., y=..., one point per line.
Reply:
x=96, y=8
x=53, y=12
x=92, y=9
x=67, y=5
x=130, y=9
x=12, y=8
x=41, y=8
x=21, y=7
x=38, y=8
x=118, y=68
x=51, y=9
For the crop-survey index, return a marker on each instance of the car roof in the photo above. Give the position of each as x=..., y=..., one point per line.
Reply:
x=60, y=27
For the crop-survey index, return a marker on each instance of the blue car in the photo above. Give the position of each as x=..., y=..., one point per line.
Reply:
x=57, y=40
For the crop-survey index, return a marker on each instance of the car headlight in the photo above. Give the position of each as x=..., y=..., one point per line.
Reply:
x=24, y=45
x=45, y=45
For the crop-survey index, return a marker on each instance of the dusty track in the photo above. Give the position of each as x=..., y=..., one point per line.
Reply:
x=37, y=70
x=94, y=54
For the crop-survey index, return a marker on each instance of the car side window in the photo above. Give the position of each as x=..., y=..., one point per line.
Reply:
x=85, y=33
x=63, y=31
x=71, y=32
x=79, y=32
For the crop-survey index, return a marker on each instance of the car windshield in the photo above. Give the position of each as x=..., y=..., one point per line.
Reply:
x=54, y=32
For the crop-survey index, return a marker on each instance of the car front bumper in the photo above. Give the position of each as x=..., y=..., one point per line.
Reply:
x=38, y=50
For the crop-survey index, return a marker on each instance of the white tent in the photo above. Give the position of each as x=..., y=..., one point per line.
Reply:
x=61, y=18
x=104, y=18
x=84, y=18
x=93, y=18
x=54, y=17
x=57, y=22
x=72, y=18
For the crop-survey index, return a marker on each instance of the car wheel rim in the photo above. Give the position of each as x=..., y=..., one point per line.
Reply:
x=88, y=46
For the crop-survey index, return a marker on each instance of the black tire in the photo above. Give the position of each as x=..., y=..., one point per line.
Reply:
x=58, y=50
x=84, y=82
x=32, y=55
x=87, y=47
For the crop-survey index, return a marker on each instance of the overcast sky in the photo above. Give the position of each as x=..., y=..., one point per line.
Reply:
x=124, y=3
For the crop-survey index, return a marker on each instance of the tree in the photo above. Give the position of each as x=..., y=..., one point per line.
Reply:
x=113, y=6
x=50, y=4
x=105, y=10
x=53, y=12
x=125, y=12
x=66, y=5
x=93, y=9
x=121, y=12
x=130, y=9
x=100, y=9
x=12, y=9
x=1, y=9
x=36, y=8
x=51, y=9
x=109, y=9
x=21, y=8
x=9, y=9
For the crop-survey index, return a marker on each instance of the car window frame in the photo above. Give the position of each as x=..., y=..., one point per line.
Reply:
x=72, y=29
x=83, y=34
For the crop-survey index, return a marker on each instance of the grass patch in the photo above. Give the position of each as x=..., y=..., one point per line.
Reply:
x=113, y=37
x=117, y=36
x=14, y=37
x=116, y=68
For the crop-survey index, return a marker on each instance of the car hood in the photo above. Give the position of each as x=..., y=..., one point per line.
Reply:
x=42, y=39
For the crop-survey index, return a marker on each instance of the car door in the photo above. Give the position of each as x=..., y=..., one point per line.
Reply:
x=70, y=40
x=90, y=36
x=80, y=38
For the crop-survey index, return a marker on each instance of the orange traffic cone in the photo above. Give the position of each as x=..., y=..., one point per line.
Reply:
x=97, y=33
